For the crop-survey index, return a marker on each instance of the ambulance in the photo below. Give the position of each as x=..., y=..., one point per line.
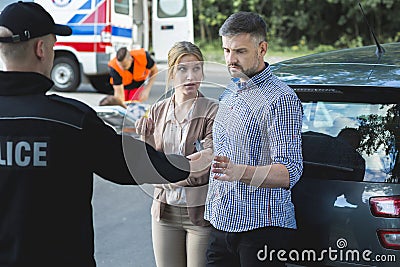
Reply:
x=99, y=29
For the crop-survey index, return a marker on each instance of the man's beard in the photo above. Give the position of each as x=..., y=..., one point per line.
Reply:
x=245, y=74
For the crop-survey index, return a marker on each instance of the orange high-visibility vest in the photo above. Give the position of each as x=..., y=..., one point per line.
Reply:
x=140, y=72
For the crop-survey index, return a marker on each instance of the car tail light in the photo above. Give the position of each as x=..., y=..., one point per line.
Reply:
x=388, y=207
x=389, y=238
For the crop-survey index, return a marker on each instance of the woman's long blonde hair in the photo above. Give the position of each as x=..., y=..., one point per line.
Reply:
x=177, y=51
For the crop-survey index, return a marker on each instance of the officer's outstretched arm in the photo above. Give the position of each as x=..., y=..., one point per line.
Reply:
x=126, y=160
x=147, y=165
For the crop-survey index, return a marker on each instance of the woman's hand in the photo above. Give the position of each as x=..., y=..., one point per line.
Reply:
x=200, y=167
x=200, y=164
x=145, y=126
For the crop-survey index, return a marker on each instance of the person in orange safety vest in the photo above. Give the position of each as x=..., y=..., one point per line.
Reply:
x=129, y=71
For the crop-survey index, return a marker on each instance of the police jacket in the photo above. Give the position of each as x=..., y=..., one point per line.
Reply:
x=50, y=147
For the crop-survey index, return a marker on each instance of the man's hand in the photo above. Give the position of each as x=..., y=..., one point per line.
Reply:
x=119, y=93
x=225, y=170
x=271, y=176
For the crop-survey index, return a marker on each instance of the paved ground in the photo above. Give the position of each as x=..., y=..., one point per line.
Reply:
x=122, y=225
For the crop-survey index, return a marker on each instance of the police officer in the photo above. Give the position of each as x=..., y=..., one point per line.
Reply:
x=50, y=147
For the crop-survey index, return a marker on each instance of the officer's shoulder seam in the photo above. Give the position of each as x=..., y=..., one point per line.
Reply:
x=78, y=105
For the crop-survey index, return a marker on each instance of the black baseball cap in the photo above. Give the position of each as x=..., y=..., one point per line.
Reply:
x=27, y=20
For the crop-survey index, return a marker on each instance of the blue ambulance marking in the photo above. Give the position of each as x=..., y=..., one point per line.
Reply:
x=122, y=32
x=87, y=5
x=90, y=29
x=77, y=18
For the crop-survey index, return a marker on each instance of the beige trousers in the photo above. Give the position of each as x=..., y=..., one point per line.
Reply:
x=177, y=242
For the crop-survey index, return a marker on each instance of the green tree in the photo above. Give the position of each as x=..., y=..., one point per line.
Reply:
x=383, y=132
x=310, y=23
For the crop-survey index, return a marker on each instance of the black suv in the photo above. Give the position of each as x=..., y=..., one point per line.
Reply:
x=348, y=199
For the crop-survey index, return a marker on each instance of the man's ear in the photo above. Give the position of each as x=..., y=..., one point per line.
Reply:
x=263, y=48
x=39, y=49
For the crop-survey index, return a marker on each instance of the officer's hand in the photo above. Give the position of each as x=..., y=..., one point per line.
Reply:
x=145, y=126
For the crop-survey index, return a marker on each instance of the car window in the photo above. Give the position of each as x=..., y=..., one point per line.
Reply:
x=121, y=7
x=350, y=137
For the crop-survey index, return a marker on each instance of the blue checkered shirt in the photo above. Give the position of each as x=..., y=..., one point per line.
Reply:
x=257, y=124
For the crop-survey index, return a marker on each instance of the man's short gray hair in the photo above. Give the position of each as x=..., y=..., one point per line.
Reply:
x=12, y=51
x=245, y=22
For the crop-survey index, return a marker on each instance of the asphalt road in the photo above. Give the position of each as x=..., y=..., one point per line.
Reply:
x=122, y=225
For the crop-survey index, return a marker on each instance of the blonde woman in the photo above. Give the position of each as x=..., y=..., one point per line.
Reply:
x=177, y=125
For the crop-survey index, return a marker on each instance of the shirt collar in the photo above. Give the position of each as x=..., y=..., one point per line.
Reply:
x=253, y=81
x=170, y=112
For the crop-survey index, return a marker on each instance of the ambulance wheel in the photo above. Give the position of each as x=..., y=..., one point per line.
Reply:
x=65, y=74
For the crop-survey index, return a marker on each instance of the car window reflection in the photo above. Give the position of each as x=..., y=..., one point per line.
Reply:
x=373, y=158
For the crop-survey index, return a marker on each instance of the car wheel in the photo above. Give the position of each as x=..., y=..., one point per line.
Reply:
x=65, y=74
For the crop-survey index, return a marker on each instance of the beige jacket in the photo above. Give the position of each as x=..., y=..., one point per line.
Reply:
x=200, y=128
